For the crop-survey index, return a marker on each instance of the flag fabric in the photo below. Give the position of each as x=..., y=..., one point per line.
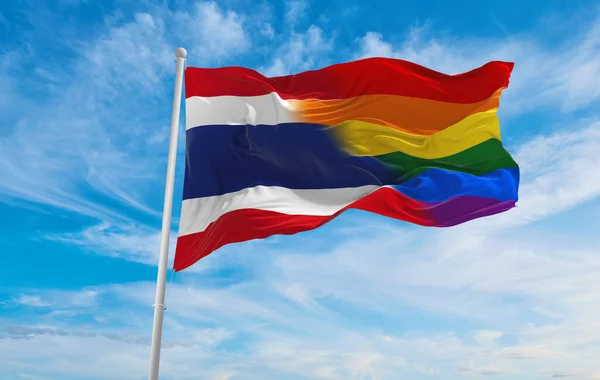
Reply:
x=282, y=155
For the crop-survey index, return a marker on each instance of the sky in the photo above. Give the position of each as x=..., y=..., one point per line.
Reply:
x=85, y=110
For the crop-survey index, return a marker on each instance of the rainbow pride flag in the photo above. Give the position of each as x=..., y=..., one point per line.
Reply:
x=282, y=155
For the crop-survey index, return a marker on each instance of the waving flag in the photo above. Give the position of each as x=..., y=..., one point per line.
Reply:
x=282, y=155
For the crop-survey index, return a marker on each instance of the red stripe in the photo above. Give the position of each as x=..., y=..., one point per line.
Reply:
x=249, y=224
x=373, y=76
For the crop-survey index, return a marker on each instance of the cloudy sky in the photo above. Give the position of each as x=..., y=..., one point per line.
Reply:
x=85, y=106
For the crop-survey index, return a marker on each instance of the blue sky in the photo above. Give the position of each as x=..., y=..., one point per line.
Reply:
x=85, y=110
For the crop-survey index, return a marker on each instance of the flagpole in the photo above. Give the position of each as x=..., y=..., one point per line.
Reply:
x=161, y=281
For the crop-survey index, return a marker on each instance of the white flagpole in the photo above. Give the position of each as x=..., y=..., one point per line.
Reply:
x=161, y=282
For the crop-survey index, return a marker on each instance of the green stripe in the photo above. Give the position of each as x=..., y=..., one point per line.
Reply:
x=481, y=159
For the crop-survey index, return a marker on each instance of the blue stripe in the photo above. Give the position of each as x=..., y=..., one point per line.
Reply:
x=439, y=185
x=226, y=158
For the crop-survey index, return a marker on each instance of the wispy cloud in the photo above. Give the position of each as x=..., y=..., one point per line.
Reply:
x=296, y=9
x=303, y=51
x=34, y=301
x=212, y=33
x=60, y=148
x=487, y=371
x=247, y=340
x=58, y=299
x=133, y=243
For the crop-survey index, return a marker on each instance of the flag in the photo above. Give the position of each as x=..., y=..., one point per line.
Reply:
x=282, y=155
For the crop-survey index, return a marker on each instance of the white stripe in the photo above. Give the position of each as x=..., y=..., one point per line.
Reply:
x=265, y=109
x=198, y=213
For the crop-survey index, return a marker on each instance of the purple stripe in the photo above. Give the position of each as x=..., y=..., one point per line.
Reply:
x=462, y=209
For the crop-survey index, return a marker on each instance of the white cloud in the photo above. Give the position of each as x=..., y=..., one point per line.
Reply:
x=303, y=51
x=128, y=242
x=564, y=374
x=267, y=31
x=372, y=45
x=487, y=337
x=211, y=33
x=296, y=9
x=528, y=352
x=190, y=350
x=487, y=371
x=59, y=299
x=56, y=146
x=34, y=301
x=285, y=329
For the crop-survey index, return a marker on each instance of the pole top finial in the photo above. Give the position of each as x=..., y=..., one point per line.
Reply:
x=180, y=53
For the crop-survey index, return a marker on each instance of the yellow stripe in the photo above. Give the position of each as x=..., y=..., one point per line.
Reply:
x=365, y=139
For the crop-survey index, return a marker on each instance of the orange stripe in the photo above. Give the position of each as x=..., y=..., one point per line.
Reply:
x=406, y=114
